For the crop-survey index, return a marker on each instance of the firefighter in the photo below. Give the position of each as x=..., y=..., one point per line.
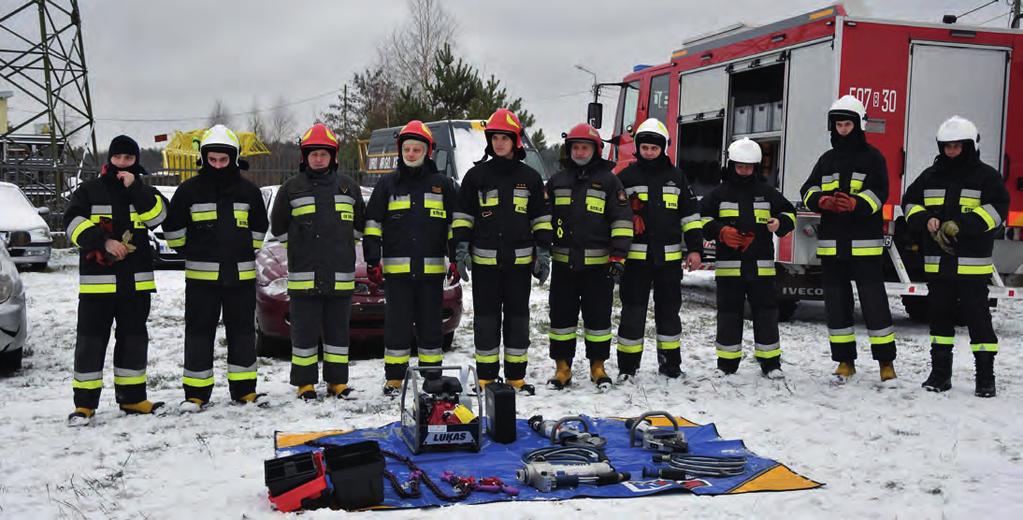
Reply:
x=592, y=232
x=848, y=187
x=318, y=215
x=504, y=236
x=107, y=219
x=408, y=220
x=742, y=213
x=961, y=202
x=217, y=221
x=664, y=211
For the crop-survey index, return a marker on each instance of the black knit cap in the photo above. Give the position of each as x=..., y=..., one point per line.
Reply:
x=123, y=144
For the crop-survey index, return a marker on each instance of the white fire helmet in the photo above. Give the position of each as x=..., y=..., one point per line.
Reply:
x=958, y=128
x=653, y=126
x=745, y=151
x=847, y=108
x=219, y=136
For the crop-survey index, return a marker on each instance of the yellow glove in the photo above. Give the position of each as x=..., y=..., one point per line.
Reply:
x=126, y=240
x=945, y=236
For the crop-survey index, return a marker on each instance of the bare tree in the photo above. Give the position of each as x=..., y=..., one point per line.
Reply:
x=256, y=123
x=219, y=114
x=282, y=123
x=408, y=55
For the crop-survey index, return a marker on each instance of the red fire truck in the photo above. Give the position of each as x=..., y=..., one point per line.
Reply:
x=775, y=83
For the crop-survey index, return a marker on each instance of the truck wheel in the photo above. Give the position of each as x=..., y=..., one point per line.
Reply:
x=271, y=347
x=786, y=308
x=916, y=307
x=10, y=362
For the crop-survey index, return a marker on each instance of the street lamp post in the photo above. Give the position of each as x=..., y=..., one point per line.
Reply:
x=591, y=73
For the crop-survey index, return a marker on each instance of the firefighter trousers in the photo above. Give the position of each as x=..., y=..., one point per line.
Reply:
x=951, y=299
x=838, y=305
x=131, y=343
x=500, y=302
x=634, y=291
x=412, y=303
x=590, y=290
x=732, y=294
x=203, y=306
x=316, y=318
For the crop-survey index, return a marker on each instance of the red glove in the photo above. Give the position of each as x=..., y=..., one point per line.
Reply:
x=828, y=203
x=453, y=275
x=747, y=240
x=732, y=238
x=844, y=202
x=100, y=257
x=638, y=224
x=375, y=274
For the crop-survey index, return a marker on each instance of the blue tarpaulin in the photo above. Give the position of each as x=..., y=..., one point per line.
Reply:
x=501, y=460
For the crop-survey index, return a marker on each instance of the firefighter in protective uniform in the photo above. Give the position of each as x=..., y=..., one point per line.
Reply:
x=503, y=230
x=743, y=213
x=217, y=221
x=108, y=219
x=665, y=211
x=848, y=187
x=592, y=232
x=961, y=202
x=408, y=229
x=318, y=215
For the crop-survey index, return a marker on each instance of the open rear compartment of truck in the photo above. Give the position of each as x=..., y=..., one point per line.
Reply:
x=775, y=84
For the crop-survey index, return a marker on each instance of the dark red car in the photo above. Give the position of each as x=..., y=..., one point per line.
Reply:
x=273, y=323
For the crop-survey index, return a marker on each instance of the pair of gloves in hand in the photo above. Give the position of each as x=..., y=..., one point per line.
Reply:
x=463, y=263
x=840, y=202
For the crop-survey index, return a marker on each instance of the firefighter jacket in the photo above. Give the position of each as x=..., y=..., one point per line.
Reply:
x=502, y=213
x=855, y=167
x=408, y=222
x=318, y=216
x=970, y=193
x=746, y=203
x=660, y=196
x=590, y=213
x=217, y=221
x=103, y=209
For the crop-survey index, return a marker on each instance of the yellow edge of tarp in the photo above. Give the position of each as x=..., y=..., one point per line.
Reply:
x=290, y=439
x=662, y=421
x=777, y=478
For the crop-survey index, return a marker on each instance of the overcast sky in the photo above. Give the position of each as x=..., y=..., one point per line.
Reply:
x=172, y=59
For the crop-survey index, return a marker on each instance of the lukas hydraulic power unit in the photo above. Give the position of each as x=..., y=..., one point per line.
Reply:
x=437, y=413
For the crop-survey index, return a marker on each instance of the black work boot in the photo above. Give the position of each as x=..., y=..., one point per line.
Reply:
x=670, y=363
x=728, y=366
x=985, y=362
x=771, y=367
x=940, y=379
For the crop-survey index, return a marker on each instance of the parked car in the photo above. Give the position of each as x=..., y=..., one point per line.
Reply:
x=459, y=144
x=273, y=323
x=31, y=248
x=164, y=257
x=13, y=315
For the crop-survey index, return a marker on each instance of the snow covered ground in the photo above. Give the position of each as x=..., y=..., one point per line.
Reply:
x=889, y=452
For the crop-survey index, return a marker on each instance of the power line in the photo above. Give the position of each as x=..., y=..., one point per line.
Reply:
x=989, y=20
x=199, y=118
x=975, y=9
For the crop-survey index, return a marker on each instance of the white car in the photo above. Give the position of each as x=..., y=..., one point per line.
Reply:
x=13, y=316
x=164, y=257
x=32, y=248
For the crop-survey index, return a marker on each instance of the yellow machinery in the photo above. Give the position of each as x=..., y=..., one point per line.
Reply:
x=182, y=151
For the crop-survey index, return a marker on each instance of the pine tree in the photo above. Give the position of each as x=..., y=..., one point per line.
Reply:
x=455, y=85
